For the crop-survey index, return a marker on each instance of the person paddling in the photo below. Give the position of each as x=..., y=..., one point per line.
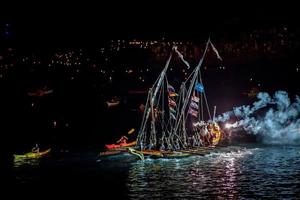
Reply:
x=36, y=149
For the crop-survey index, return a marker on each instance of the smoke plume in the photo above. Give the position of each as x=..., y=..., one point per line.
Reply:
x=279, y=125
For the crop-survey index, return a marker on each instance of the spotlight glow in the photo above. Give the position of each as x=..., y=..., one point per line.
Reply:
x=228, y=126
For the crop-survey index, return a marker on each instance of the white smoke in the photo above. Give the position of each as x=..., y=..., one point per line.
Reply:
x=224, y=117
x=280, y=124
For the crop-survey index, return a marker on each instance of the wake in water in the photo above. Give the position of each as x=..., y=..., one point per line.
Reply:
x=237, y=153
x=279, y=125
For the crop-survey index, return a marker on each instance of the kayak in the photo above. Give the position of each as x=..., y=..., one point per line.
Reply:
x=33, y=154
x=117, y=146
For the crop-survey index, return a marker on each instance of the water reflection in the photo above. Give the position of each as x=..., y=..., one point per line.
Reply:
x=264, y=172
x=26, y=163
x=26, y=170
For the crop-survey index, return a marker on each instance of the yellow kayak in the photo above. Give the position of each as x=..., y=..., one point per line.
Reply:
x=33, y=154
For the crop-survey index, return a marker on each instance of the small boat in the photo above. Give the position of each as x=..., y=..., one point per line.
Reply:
x=120, y=145
x=32, y=155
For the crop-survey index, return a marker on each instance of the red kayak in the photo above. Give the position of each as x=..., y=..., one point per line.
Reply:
x=120, y=145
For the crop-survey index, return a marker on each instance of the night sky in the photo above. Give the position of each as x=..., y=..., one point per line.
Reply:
x=88, y=25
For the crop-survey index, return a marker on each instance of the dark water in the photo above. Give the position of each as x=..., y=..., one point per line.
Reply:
x=234, y=172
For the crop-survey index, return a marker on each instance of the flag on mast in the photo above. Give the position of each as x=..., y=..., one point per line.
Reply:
x=215, y=50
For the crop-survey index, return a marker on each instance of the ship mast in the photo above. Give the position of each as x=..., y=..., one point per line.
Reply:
x=159, y=128
x=192, y=84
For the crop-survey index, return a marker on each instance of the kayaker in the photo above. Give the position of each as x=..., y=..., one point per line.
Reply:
x=36, y=149
x=112, y=103
x=122, y=140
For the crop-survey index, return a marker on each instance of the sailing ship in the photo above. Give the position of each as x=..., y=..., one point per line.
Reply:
x=174, y=123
